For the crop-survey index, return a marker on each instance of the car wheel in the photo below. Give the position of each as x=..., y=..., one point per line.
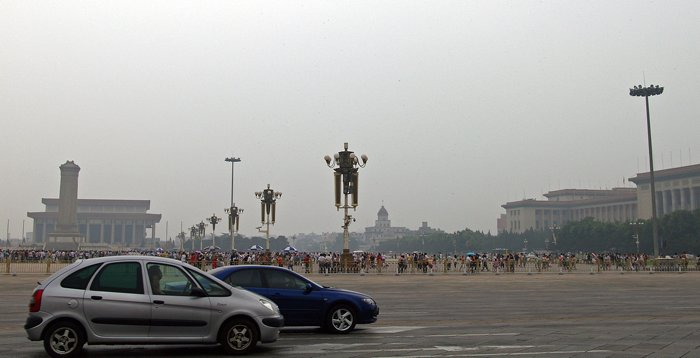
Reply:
x=341, y=319
x=64, y=340
x=239, y=336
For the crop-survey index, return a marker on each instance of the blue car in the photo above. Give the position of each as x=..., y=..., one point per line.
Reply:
x=302, y=301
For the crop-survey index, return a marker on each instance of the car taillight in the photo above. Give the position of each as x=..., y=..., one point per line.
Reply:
x=35, y=301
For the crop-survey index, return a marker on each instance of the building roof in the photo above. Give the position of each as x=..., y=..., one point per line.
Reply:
x=614, y=196
x=590, y=192
x=668, y=174
x=382, y=212
x=99, y=215
x=99, y=202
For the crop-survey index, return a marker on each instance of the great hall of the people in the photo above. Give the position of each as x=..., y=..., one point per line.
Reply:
x=676, y=189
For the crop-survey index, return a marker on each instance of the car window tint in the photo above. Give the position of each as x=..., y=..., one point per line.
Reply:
x=123, y=277
x=211, y=287
x=245, y=278
x=168, y=280
x=283, y=280
x=80, y=279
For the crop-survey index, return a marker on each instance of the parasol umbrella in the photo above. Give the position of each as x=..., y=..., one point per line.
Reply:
x=256, y=248
x=290, y=249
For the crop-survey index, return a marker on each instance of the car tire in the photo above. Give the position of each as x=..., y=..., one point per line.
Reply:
x=64, y=340
x=340, y=319
x=238, y=336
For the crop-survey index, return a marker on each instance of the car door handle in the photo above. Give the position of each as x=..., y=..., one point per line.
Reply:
x=159, y=302
x=96, y=297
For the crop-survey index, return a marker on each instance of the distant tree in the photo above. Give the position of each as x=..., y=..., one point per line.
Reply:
x=278, y=244
x=680, y=232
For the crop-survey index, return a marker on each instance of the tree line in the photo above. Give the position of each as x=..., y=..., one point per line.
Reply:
x=679, y=232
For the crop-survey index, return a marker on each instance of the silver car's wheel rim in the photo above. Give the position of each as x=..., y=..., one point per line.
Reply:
x=64, y=340
x=239, y=337
x=342, y=319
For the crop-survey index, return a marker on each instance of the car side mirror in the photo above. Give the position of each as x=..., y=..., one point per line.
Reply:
x=198, y=292
x=309, y=288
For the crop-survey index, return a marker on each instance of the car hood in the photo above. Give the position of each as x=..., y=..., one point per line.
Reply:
x=344, y=291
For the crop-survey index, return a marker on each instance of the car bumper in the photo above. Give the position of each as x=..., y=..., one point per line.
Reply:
x=370, y=316
x=35, y=324
x=270, y=328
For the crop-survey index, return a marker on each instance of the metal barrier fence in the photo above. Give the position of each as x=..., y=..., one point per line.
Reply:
x=393, y=267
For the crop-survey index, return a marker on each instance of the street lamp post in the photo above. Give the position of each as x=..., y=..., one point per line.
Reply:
x=194, y=231
x=639, y=91
x=345, y=165
x=554, y=236
x=233, y=211
x=636, y=233
x=181, y=236
x=268, y=203
x=213, y=220
x=201, y=229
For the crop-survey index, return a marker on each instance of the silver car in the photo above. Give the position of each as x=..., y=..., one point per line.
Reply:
x=145, y=300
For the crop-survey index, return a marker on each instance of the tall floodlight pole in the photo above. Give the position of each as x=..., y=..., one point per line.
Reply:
x=639, y=91
x=268, y=203
x=345, y=165
x=233, y=211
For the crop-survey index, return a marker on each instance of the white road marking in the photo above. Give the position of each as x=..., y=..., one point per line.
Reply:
x=473, y=334
x=390, y=329
x=501, y=354
x=456, y=348
x=436, y=351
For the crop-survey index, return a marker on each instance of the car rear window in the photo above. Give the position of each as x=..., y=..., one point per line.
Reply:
x=245, y=278
x=80, y=279
x=123, y=277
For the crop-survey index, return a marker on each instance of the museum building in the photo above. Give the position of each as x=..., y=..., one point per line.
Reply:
x=102, y=222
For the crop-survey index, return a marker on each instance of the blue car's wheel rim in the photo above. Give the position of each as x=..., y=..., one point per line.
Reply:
x=342, y=319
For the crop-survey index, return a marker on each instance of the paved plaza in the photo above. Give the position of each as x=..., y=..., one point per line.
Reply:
x=610, y=314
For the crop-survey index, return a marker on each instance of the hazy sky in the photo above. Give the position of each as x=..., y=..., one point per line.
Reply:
x=461, y=106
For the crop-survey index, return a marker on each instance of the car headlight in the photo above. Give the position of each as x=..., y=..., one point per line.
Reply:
x=369, y=301
x=268, y=304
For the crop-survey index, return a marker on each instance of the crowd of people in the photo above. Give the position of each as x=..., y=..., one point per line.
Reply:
x=361, y=261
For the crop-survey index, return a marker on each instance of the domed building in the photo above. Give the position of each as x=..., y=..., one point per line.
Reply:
x=382, y=229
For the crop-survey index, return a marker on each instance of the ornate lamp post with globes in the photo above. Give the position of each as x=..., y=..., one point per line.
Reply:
x=213, y=220
x=194, y=231
x=268, y=203
x=181, y=237
x=635, y=236
x=345, y=165
x=233, y=211
x=639, y=91
x=201, y=230
x=554, y=236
